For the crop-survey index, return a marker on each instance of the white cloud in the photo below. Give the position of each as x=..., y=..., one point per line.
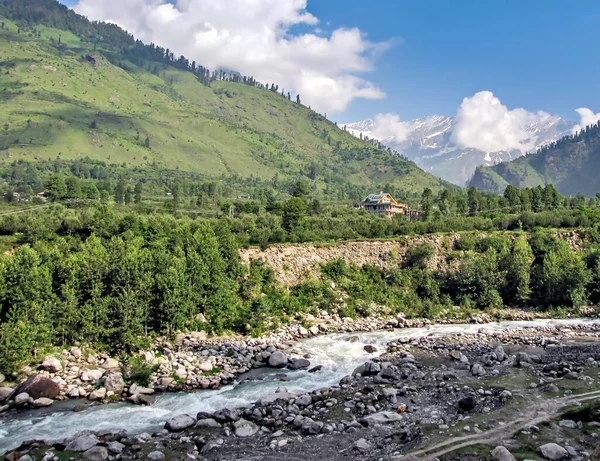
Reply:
x=484, y=123
x=254, y=37
x=587, y=118
x=388, y=126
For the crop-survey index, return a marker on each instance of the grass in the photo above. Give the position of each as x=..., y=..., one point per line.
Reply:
x=55, y=102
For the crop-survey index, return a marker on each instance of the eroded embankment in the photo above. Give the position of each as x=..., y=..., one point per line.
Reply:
x=295, y=263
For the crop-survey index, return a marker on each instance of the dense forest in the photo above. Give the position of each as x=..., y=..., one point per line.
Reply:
x=570, y=164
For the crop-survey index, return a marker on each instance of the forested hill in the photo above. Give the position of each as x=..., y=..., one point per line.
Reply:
x=571, y=164
x=72, y=88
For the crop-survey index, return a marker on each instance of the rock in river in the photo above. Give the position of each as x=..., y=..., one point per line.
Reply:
x=180, y=423
x=38, y=386
x=245, y=428
x=278, y=360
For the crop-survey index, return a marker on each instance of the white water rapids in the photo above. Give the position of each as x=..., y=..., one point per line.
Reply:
x=334, y=352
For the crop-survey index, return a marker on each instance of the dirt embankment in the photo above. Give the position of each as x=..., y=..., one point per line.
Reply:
x=294, y=264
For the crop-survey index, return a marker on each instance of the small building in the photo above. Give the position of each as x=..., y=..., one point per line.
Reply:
x=383, y=204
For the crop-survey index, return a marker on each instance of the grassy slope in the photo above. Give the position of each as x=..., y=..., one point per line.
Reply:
x=223, y=129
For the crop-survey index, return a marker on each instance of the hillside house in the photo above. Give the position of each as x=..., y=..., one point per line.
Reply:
x=383, y=204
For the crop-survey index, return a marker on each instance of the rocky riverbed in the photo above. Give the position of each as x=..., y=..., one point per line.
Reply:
x=411, y=399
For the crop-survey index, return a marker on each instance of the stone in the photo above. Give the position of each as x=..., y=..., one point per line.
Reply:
x=568, y=424
x=180, y=423
x=500, y=354
x=111, y=364
x=298, y=364
x=51, y=364
x=522, y=357
x=114, y=382
x=22, y=398
x=304, y=400
x=362, y=446
x=231, y=414
x=315, y=369
x=156, y=455
x=205, y=366
x=553, y=451
x=96, y=454
x=456, y=355
x=5, y=392
x=383, y=417
x=39, y=386
x=75, y=352
x=181, y=373
x=81, y=442
x=91, y=375
x=42, y=402
x=209, y=422
x=467, y=403
x=272, y=398
x=278, y=360
x=370, y=349
x=98, y=394
x=502, y=454
x=477, y=370
x=245, y=428
x=116, y=447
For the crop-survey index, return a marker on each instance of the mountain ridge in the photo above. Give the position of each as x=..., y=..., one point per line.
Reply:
x=71, y=96
x=430, y=145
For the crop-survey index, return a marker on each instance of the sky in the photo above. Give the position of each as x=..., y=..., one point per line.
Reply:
x=506, y=62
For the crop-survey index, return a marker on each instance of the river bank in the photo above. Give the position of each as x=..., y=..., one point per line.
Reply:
x=338, y=354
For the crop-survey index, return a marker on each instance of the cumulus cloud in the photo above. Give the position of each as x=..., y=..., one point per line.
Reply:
x=484, y=123
x=255, y=37
x=389, y=126
x=587, y=118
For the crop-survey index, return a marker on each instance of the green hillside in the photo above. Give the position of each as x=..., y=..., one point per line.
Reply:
x=71, y=96
x=571, y=164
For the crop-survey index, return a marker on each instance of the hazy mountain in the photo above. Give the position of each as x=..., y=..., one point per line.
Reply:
x=429, y=144
x=571, y=164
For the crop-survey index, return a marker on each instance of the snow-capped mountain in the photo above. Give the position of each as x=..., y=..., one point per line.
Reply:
x=429, y=144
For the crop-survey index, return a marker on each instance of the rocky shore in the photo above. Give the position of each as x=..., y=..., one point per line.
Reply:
x=192, y=362
x=420, y=392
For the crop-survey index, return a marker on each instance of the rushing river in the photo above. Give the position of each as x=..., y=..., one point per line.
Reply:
x=334, y=352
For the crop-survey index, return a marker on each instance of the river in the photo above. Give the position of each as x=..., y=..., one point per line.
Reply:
x=334, y=352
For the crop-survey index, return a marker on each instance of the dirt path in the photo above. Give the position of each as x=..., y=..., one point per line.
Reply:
x=531, y=416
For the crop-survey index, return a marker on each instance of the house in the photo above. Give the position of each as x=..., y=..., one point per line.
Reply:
x=383, y=204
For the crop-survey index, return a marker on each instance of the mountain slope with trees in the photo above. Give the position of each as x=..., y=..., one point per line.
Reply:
x=71, y=88
x=571, y=164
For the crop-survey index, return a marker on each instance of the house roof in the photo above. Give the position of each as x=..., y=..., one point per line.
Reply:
x=375, y=197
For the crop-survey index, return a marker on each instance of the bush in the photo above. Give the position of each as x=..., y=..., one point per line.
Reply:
x=139, y=371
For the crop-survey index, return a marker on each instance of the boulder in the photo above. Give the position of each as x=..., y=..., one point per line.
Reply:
x=81, y=442
x=370, y=349
x=477, y=370
x=206, y=366
x=245, y=428
x=298, y=364
x=42, y=402
x=96, y=454
x=208, y=422
x=383, y=417
x=98, y=394
x=38, y=386
x=22, y=398
x=180, y=423
x=500, y=355
x=116, y=447
x=315, y=369
x=75, y=352
x=51, y=364
x=272, y=398
x=5, y=392
x=467, y=403
x=553, y=451
x=502, y=454
x=303, y=400
x=114, y=382
x=569, y=424
x=278, y=360
x=156, y=455
x=91, y=375
x=362, y=446
x=111, y=364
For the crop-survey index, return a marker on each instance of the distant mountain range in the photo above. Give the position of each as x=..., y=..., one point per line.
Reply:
x=429, y=144
x=570, y=164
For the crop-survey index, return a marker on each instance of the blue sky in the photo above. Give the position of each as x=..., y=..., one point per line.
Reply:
x=531, y=54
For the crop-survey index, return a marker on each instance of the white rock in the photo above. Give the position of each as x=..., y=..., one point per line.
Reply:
x=91, y=375
x=205, y=366
x=156, y=455
x=502, y=454
x=22, y=398
x=553, y=451
x=42, y=402
x=51, y=364
x=180, y=423
x=75, y=352
x=98, y=394
x=245, y=428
